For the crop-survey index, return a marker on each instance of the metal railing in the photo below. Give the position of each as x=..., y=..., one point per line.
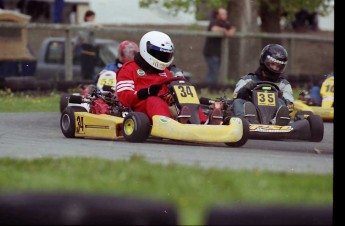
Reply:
x=68, y=29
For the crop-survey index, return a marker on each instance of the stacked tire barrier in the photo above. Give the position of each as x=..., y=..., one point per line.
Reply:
x=81, y=209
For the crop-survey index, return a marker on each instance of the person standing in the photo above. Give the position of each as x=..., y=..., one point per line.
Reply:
x=86, y=42
x=212, y=48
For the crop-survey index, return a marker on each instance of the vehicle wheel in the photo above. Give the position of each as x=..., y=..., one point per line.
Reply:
x=316, y=128
x=136, y=127
x=67, y=120
x=64, y=101
x=301, y=114
x=245, y=136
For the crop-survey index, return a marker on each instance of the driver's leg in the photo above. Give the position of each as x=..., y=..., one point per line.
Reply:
x=237, y=107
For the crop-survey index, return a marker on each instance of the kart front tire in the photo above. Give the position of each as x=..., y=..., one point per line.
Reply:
x=136, y=127
x=67, y=120
x=316, y=128
x=245, y=135
x=63, y=101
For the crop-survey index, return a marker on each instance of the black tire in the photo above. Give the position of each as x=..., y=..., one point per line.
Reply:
x=63, y=101
x=245, y=136
x=136, y=127
x=75, y=99
x=316, y=128
x=67, y=120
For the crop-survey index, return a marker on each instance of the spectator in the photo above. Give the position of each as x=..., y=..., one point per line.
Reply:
x=212, y=49
x=73, y=15
x=306, y=20
x=58, y=6
x=86, y=41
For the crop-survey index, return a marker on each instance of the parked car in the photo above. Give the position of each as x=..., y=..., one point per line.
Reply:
x=51, y=58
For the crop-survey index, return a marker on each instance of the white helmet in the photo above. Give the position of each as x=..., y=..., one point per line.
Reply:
x=157, y=49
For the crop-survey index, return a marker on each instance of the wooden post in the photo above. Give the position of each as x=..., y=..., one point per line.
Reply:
x=68, y=56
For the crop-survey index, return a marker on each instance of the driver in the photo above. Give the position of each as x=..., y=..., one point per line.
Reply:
x=273, y=61
x=139, y=82
x=126, y=51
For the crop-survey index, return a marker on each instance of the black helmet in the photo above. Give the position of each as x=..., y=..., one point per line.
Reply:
x=273, y=60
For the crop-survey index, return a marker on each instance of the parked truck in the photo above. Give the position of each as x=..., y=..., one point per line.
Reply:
x=47, y=71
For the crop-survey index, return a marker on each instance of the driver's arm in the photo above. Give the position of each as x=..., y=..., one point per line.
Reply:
x=125, y=88
x=243, y=88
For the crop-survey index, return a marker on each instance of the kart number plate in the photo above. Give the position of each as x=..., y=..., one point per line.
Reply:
x=186, y=94
x=266, y=99
x=106, y=81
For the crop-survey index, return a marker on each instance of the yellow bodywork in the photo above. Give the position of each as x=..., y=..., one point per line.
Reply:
x=165, y=127
x=98, y=126
x=326, y=113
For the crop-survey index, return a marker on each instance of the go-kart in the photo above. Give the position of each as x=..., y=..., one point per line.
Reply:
x=106, y=78
x=306, y=105
x=136, y=127
x=264, y=96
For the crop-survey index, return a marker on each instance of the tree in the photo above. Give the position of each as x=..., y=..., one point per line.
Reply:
x=270, y=11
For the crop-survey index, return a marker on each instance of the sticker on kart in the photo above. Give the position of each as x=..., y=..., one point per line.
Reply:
x=270, y=128
x=266, y=99
x=186, y=94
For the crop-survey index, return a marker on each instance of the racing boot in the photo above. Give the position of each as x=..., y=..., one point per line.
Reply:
x=216, y=117
x=184, y=115
x=282, y=117
x=250, y=113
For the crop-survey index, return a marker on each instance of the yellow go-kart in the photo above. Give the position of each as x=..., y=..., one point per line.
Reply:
x=302, y=107
x=102, y=122
x=305, y=104
x=264, y=97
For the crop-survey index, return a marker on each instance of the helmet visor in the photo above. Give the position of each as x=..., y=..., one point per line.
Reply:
x=274, y=65
x=162, y=54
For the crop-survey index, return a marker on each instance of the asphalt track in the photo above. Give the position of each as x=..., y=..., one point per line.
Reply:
x=38, y=135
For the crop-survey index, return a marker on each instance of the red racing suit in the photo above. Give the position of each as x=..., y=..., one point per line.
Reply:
x=131, y=78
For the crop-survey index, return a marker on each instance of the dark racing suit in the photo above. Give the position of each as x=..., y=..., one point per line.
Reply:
x=241, y=92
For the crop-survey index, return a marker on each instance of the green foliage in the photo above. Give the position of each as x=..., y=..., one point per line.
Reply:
x=186, y=6
x=191, y=189
x=288, y=6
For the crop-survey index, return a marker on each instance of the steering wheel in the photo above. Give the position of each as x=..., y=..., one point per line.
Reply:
x=267, y=83
x=169, y=80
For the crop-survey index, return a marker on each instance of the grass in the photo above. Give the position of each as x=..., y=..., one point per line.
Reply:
x=29, y=102
x=191, y=190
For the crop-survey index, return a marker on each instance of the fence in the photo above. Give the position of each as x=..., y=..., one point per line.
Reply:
x=242, y=58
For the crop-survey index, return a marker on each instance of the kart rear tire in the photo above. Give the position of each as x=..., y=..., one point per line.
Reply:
x=67, y=120
x=245, y=135
x=316, y=128
x=136, y=127
x=63, y=101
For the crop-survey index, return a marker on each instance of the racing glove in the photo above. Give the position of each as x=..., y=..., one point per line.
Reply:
x=151, y=91
x=246, y=91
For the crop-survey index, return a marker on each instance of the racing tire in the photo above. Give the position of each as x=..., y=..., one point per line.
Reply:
x=316, y=128
x=67, y=120
x=136, y=127
x=245, y=135
x=63, y=101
